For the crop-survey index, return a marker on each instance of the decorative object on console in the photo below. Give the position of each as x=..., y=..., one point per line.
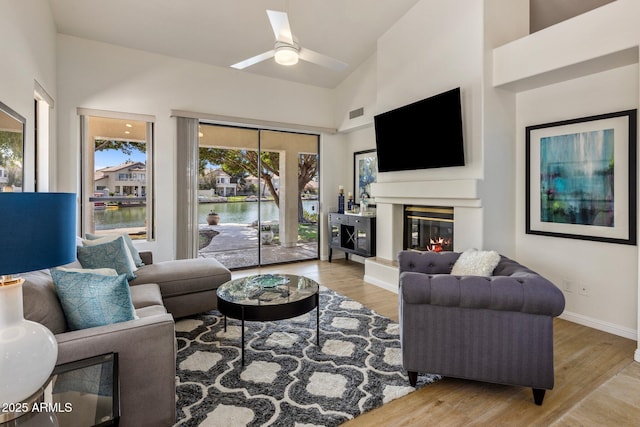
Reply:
x=340, y=199
x=350, y=202
x=32, y=241
x=364, y=205
x=581, y=178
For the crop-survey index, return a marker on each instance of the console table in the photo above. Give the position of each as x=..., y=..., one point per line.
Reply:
x=353, y=234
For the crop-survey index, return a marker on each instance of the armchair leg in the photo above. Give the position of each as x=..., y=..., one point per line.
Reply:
x=413, y=378
x=538, y=395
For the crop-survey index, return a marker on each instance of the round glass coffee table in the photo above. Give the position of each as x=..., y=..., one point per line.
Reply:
x=267, y=297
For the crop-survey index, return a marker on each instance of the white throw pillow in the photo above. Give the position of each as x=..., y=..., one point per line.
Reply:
x=473, y=262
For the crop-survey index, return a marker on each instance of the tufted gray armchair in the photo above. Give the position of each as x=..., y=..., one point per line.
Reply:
x=496, y=329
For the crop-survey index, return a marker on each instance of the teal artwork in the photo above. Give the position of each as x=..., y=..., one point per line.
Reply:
x=577, y=178
x=366, y=172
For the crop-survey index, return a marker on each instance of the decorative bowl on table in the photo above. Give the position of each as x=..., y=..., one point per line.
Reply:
x=269, y=280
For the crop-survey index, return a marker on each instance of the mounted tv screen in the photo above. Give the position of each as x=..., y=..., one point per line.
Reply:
x=423, y=135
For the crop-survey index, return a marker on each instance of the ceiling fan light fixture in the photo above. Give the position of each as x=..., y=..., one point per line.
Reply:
x=286, y=55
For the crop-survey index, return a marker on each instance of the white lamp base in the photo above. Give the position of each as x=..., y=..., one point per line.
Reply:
x=18, y=409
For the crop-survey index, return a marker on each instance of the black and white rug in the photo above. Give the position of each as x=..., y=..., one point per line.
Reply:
x=287, y=379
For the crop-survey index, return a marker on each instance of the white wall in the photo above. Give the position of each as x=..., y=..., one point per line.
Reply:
x=435, y=47
x=358, y=90
x=495, y=118
x=27, y=43
x=608, y=270
x=107, y=77
x=584, y=66
x=504, y=20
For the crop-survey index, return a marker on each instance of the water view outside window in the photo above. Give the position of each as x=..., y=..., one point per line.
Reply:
x=118, y=198
x=263, y=187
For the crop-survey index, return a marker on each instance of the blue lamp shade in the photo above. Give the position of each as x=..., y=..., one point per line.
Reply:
x=38, y=231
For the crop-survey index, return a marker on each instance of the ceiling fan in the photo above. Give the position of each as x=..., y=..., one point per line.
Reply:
x=287, y=50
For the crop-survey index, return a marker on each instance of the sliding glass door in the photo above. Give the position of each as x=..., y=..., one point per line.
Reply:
x=257, y=196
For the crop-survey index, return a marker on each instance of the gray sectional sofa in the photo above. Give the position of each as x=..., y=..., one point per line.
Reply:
x=146, y=346
x=496, y=329
x=188, y=286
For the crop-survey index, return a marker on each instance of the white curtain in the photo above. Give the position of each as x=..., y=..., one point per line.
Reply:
x=187, y=188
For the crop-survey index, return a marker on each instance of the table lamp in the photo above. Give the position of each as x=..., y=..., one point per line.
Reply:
x=38, y=231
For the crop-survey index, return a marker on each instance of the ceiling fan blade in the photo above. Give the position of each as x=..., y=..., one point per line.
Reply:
x=280, y=24
x=254, y=60
x=320, y=59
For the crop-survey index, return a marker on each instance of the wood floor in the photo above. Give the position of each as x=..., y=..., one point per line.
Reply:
x=597, y=383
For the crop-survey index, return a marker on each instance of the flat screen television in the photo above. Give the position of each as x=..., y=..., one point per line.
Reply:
x=422, y=135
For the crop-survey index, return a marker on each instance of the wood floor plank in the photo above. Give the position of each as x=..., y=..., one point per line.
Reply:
x=597, y=383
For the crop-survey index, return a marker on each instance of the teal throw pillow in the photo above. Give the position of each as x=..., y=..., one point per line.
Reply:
x=102, y=271
x=105, y=239
x=127, y=239
x=89, y=300
x=113, y=254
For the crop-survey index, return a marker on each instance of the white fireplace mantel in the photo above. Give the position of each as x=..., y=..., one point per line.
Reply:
x=391, y=197
x=453, y=192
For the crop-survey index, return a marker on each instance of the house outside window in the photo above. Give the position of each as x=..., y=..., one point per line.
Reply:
x=117, y=174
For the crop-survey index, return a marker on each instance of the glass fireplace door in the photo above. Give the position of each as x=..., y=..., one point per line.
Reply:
x=428, y=228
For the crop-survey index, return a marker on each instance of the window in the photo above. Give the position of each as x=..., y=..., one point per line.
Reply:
x=117, y=174
x=43, y=105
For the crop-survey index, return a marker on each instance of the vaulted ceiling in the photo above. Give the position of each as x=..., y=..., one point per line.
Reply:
x=224, y=32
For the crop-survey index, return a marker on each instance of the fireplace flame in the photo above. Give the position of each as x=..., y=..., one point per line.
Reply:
x=437, y=244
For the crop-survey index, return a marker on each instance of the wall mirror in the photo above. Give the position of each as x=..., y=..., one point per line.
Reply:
x=12, y=126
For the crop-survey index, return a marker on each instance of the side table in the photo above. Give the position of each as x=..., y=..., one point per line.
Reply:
x=78, y=394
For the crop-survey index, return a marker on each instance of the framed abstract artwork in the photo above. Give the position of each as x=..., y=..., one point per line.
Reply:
x=581, y=178
x=365, y=173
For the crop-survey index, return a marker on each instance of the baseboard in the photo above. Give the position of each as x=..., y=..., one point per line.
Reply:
x=381, y=284
x=600, y=325
x=382, y=273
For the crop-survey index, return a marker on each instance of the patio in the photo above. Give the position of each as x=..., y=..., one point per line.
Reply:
x=236, y=246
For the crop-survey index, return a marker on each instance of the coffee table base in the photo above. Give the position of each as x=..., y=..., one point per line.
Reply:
x=251, y=315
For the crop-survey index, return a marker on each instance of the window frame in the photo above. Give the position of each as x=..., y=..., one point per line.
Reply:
x=87, y=168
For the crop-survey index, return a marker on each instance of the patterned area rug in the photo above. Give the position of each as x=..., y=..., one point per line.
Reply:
x=287, y=380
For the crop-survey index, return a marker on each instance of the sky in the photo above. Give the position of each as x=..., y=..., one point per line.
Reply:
x=107, y=158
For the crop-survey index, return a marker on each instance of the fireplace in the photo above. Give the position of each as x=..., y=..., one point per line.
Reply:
x=428, y=228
